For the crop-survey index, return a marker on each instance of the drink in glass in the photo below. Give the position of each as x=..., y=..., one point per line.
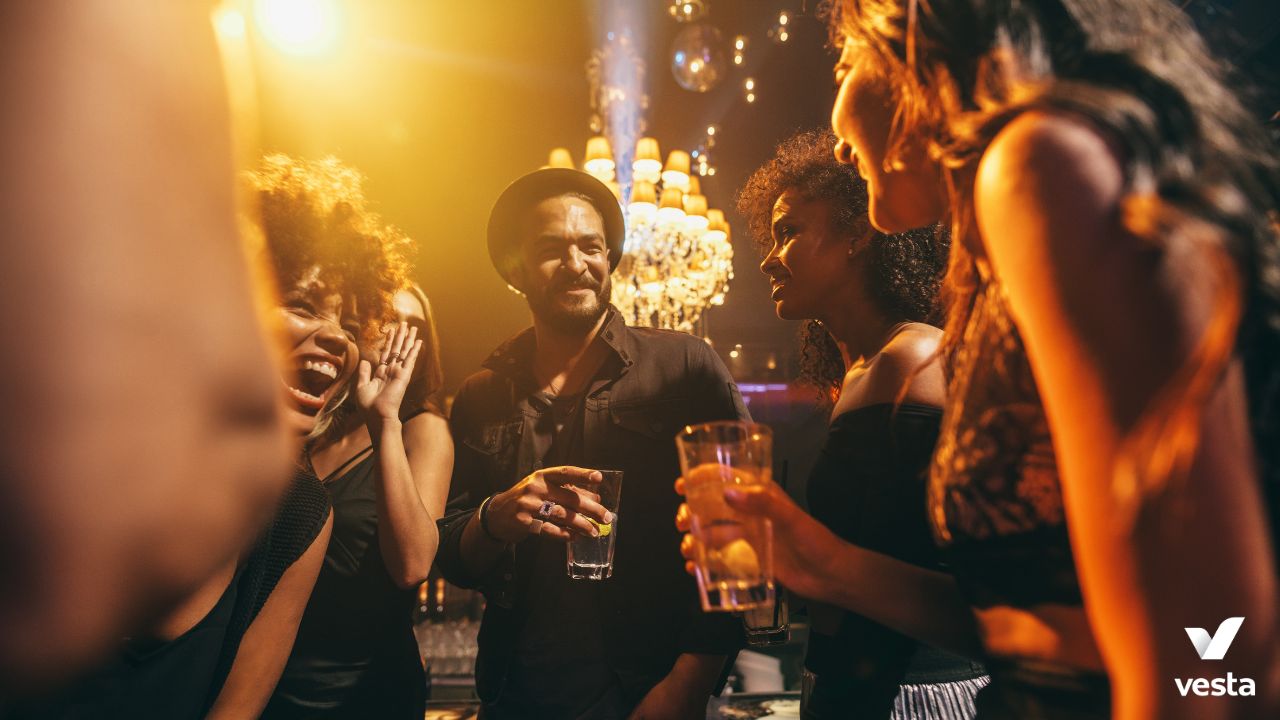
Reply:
x=591, y=558
x=768, y=623
x=734, y=559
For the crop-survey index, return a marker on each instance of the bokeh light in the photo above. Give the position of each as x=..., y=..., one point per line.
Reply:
x=300, y=27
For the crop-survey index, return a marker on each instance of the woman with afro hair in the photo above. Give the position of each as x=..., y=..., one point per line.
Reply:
x=382, y=450
x=868, y=301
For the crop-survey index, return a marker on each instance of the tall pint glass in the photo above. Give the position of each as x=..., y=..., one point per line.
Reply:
x=735, y=552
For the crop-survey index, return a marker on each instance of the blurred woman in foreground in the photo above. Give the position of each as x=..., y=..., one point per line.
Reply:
x=1110, y=439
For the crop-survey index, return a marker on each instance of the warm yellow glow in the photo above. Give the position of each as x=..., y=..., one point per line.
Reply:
x=716, y=221
x=751, y=97
x=782, y=36
x=648, y=163
x=784, y=18
x=734, y=354
x=676, y=173
x=560, y=158
x=740, y=43
x=671, y=206
x=695, y=208
x=711, y=129
x=229, y=22
x=749, y=84
x=644, y=192
x=300, y=27
x=695, y=205
x=599, y=158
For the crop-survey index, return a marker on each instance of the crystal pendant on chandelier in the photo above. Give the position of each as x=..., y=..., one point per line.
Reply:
x=678, y=259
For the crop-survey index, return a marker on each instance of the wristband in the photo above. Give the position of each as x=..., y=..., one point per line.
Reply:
x=484, y=521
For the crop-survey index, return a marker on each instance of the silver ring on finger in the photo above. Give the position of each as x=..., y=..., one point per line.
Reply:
x=547, y=508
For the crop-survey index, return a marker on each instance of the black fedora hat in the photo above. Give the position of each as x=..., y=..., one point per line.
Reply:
x=508, y=211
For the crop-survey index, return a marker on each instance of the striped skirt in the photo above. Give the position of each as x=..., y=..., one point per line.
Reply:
x=941, y=701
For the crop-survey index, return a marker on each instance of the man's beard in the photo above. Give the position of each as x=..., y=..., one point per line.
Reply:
x=578, y=319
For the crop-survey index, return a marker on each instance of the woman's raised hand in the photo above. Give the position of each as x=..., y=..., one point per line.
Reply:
x=379, y=391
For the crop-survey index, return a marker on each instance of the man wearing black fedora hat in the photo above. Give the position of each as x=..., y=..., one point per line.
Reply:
x=578, y=392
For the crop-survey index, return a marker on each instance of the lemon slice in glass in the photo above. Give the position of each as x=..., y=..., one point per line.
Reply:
x=739, y=559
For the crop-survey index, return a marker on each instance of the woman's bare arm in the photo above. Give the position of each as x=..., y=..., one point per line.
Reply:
x=269, y=640
x=416, y=461
x=1107, y=319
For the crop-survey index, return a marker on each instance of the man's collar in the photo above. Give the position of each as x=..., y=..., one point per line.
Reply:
x=516, y=354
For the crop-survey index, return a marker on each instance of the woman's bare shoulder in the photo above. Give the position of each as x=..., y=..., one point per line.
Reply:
x=908, y=361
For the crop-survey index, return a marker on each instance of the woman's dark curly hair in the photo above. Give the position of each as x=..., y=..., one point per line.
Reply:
x=313, y=215
x=904, y=271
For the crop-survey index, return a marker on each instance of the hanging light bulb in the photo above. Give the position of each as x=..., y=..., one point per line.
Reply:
x=599, y=160
x=676, y=173
x=644, y=201
x=717, y=228
x=739, y=49
x=685, y=11
x=671, y=205
x=560, y=158
x=781, y=30
x=697, y=58
x=647, y=167
x=695, y=209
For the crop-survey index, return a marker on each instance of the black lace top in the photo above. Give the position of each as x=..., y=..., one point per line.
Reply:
x=996, y=509
x=994, y=497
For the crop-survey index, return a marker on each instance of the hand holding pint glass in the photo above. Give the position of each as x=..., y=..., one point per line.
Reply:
x=734, y=554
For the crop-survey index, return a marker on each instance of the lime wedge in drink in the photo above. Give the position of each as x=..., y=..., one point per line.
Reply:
x=604, y=528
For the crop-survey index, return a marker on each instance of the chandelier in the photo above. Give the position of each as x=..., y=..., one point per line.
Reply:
x=677, y=259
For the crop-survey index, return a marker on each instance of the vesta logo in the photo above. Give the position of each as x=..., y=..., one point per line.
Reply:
x=1215, y=647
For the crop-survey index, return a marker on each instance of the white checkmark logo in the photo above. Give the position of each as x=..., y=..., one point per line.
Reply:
x=1215, y=647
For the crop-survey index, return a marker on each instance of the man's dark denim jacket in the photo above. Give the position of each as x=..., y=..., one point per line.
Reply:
x=653, y=384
